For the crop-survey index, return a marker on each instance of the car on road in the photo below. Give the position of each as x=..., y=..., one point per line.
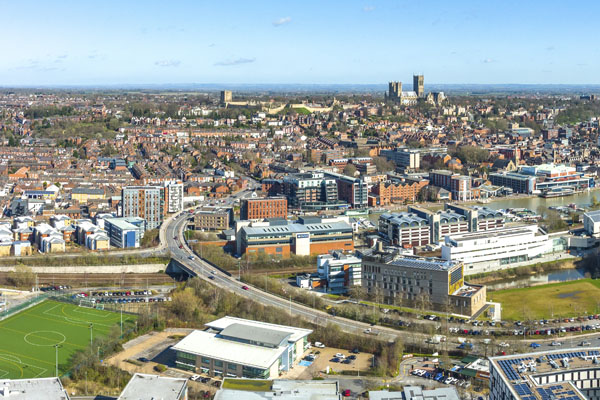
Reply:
x=245, y=287
x=213, y=272
x=143, y=359
x=555, y=343
x=181, y=246
x=535, y=345
x=585, y=343
x=319, y=345
x=211, y=277
x=191, y=257
x=346, y=393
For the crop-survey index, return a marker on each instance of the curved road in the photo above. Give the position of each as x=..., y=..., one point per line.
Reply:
x=198, y=267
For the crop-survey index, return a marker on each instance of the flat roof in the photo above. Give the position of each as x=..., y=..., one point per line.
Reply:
x=222, y=323
x=434, y=264
x=416, y=393
x=522, y=372
x=297, y=228
x=151, y=387
x=287, y=390
x=255, y=333
x=495, y=233
x=209, y=344
x=33, y=389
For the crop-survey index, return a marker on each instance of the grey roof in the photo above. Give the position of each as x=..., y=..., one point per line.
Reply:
x=435, y=264
x=404, y=218
x=297, y=228
x=83, y=190
x=147, y=387
x=287, y=390
x=593, y=215
x=33, y=389
x=244, y=332
x=416, y=393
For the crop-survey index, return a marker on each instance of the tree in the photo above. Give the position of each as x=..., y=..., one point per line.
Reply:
x=22, y=276
x=384, y=165
x=349, y=170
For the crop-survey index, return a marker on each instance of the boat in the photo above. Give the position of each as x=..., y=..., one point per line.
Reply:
x=558, y=192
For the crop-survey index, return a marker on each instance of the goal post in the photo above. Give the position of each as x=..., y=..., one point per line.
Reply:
x=87, y=303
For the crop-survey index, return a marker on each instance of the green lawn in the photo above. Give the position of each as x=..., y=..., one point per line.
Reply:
x=564, y=299
x=253, y=385
x=28, y=338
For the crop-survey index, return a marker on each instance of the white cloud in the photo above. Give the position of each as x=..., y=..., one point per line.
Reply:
x=282, y=21
x=237, y=61
x=488, y=60
x=167, y=63
x=368, y=8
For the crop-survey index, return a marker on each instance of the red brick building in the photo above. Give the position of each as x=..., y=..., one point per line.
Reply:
x=259, y=208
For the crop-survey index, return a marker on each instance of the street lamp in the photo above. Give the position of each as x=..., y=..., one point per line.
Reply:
x=56, y=346
x=91, y=334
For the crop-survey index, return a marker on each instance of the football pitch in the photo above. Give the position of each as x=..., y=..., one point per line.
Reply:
x=28, y=339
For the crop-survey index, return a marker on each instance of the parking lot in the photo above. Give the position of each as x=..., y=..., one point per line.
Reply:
x=326, y=357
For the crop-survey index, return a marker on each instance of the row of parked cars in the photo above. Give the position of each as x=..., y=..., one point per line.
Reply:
x=440, y=377
x=55, y=288
x=123, y=293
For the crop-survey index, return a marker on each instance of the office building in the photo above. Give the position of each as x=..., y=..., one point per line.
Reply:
x=304, y=237
x=552, y=176
x=33, y=389
x=174, y=196
x=496, y=249
x=125, y=232
x=591, y=223
x=213, y=219
x=562, y=374
x=285, y=390
x=404, y=158
x=234, y=347
x=419, y=85
x=310, y=190
x=260, y=208
x=226, y=96
x=518, y=183
x=338, y=272
x=479, y=218
x=147, y=202
x=441, y=223
x=431, y=283
x=152, y=387
x=416, y=393
x=404, y=229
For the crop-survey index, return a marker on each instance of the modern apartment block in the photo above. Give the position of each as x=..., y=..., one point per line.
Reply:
x=174, y=196
x=147, y=202
x=235, y=347
x=310, y=190
x=338, y=271
x=458, y=185
x=404, y=229
x=479, y=218
x=264, y=207
x=441, y=223
x=565, y=374
x=518, y=183
x=414, y=281
x=405, y=158
x=353, y=191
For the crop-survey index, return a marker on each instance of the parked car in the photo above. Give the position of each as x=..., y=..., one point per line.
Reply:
x=245, y=287
x=555, y=343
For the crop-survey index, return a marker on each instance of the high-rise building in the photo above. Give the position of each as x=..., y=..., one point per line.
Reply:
x=226, y=96
x=309, y=189
x=419, y=85
x=147, y=202
x=174, y=196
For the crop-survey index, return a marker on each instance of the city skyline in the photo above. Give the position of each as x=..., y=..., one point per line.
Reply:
x=362, y=42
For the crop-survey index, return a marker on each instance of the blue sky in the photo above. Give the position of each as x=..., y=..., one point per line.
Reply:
x=157, y=42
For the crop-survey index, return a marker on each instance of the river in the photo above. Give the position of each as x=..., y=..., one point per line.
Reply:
x=539, y=279
x=533, y=202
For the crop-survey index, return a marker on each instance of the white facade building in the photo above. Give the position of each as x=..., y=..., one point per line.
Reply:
x=340, y=271
x=174, y=196
x=591, y=223
x=496, y=249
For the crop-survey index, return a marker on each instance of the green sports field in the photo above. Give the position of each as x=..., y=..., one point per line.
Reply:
x=28, y=338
